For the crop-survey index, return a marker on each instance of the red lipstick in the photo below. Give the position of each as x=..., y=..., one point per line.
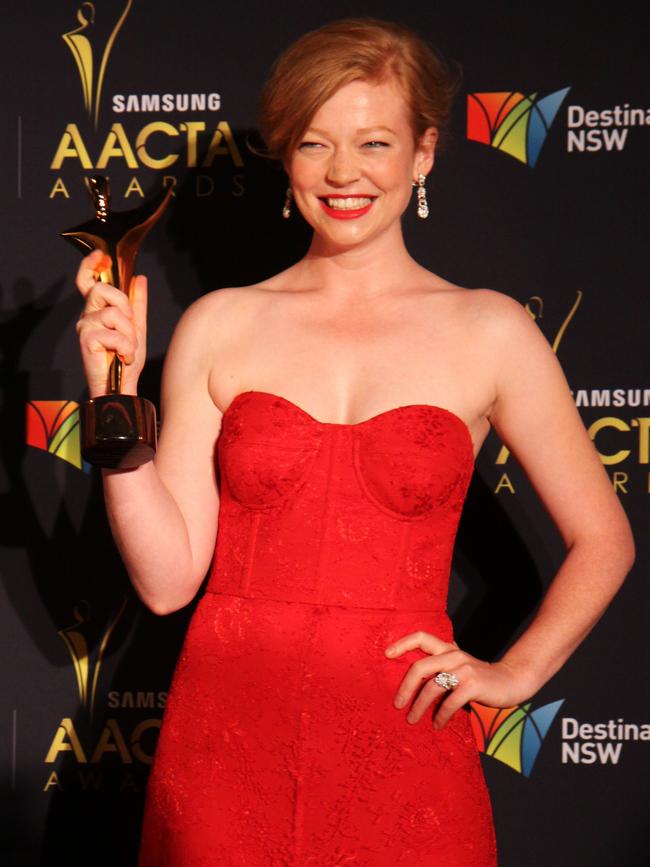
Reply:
x=346, y=213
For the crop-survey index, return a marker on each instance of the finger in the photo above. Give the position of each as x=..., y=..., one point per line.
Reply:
x=104, y=295
x=423, y=669
x=96, y=339
x=450, y=700
x=112, y=318
x=108, y=319
x=456, y=699
x=466, y=691
x=89, y=269
x=139, y=292
x=448, y=661
x=420, y=671
x=428, y=695
x=417, y=640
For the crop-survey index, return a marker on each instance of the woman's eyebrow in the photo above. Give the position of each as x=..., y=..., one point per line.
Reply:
x=362, y=131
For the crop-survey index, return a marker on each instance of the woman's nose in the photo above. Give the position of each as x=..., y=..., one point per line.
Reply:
x=343, y=168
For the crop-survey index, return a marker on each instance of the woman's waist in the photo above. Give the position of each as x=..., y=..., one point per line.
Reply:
x=332, y=598
x=230, y=624
x=398, y=582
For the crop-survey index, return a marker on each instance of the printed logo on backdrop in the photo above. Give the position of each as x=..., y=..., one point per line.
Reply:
x=53, y=426
x=79, y=748
x=90, y=58
x=134, y=153
x=621, y=435
x=518, y=125
x=618, y=421
x=513, y=735
x=513, y=123
x=599, y=743
x=590, y=130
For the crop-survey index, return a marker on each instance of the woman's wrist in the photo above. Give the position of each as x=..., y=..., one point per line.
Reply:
x=99, y=389
x=528, y=676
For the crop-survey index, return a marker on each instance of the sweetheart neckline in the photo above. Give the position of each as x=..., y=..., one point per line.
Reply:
x=364, y=421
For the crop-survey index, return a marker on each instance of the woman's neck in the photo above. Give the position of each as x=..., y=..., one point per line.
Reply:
x=362, y=270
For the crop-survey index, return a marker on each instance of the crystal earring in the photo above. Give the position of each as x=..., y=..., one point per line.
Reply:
x=423, y=207
x=286, y=211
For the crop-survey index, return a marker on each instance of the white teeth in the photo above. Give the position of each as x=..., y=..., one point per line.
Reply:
x=348, y=203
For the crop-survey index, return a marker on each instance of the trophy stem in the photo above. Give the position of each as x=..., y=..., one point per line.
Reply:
x=115, y=376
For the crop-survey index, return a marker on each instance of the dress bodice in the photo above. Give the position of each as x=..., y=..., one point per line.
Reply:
x=358, y=515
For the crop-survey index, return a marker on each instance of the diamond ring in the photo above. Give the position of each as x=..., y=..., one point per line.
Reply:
x=446, y=680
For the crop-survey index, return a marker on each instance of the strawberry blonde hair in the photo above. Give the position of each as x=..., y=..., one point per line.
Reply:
x=322, y=61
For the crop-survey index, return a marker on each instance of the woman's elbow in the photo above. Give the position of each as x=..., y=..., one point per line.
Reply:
x=617, y=548
x=165, y=604
x=162, y=608
x=623, y=541
x=627, y=550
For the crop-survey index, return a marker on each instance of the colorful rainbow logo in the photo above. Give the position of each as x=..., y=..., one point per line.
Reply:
x=53, y=425
x=512, y=122
x=513, y=735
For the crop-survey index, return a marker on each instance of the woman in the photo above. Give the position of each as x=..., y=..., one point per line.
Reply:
x=317, y=711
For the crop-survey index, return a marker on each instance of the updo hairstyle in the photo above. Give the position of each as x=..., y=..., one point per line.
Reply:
x=322, y=61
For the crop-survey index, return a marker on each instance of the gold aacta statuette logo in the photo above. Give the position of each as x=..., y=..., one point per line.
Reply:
x=87, y=672
x=91, y=67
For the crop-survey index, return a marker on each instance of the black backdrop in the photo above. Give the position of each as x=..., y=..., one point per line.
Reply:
x=85, y=667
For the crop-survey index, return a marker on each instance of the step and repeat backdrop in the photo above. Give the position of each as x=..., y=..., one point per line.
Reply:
x=540, y=192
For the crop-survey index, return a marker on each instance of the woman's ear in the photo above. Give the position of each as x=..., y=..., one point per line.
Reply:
x=425, y=152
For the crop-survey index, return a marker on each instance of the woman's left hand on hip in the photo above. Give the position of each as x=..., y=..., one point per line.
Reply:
x=490, y=683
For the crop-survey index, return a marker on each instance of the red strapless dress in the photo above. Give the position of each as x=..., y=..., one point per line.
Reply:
x=280, y=744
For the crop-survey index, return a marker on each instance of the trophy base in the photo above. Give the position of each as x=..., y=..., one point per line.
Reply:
x=118, y=431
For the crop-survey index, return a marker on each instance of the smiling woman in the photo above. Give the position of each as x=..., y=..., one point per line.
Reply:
x=317, y=716
x=356, y=95
x=357, y=159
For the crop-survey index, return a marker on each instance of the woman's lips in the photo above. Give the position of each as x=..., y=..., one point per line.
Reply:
x=346, y=207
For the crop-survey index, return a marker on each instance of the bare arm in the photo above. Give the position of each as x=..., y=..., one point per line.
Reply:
x=536, y=417
x=164, y=513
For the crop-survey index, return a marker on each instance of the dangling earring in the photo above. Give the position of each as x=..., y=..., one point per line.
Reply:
x=423, y=207
x=286, y=211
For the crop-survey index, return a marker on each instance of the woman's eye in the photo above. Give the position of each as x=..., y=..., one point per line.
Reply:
x=376, y=144
x=309, y=145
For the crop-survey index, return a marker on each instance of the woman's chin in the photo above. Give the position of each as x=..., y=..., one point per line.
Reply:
x=330, y=242
x=345, y=234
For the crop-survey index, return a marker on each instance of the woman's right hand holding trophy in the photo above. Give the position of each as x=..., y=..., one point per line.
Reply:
x=118, y=428
x=111, y=322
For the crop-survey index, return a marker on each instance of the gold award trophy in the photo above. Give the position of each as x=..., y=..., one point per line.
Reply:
x=117, y=430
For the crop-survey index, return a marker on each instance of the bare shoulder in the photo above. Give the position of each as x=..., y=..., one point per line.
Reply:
x=219, y=312
x=498, y=321
x=218, y=301
x=527, y=371
x=494, y=308
x=205, y=336
x=488, y=304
